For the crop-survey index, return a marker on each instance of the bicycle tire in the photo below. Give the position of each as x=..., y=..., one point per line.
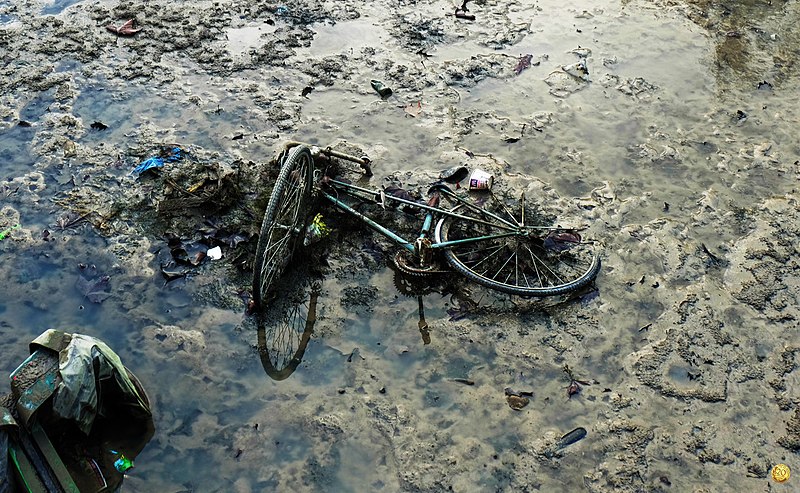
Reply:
x=546, y=261
x=283, y=223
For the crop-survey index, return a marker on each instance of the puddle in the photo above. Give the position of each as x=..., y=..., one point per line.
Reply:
x=658, y=152
x=346, y=37
x=55, y=7
x=243, y=39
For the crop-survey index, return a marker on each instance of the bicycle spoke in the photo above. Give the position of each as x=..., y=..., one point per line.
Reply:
x=518, y=261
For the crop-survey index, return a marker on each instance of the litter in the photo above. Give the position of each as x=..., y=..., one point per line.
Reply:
x=381, y=89
x=480, y=180
x=8, y=231
x=214, y=253
x=175, y=154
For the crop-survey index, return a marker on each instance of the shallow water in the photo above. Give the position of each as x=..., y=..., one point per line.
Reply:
x=650, y=153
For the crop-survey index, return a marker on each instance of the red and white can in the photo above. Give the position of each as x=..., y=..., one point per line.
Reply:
x=480, y=180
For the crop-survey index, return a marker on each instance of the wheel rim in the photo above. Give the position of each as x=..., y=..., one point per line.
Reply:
x=530, y=260
x=286, y=223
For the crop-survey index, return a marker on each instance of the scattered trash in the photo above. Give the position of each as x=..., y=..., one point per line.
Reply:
x=381, y=89
x=8, y=231
x=454, y=175
x=128, y=28
x=99, y=126
x=121, y=463
x=577, y=69
x=523, y=63
x=573, y=436
x=480, y=180
x=214, y=253
x=461, y=12
x=517, y=400
x=316, y=231
x=174, y=155
x=559, y=241
x=306, y=91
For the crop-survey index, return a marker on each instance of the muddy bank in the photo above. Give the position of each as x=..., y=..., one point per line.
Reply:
x=664, y=128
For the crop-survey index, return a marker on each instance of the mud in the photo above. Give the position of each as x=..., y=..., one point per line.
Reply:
x=676, y=147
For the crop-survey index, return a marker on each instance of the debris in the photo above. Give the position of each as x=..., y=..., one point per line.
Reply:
x=214, y=253
x=99, y=126
x=316, y=231
x=517, y=403
x=454, y=175
x=523, y=63
x=764, y=86
x=577, y=69
x=480, y=180
x=568, y=439
x=8, y=231
x=381, y=89
x=306, y=91
x=174, y=155
x=574, y=386
x=128, y=28
x=171, y=275
x=572, y=437
x=463, y=15
x=561, y=240
x=465, y=381
x=413, y=110
x=72, y=385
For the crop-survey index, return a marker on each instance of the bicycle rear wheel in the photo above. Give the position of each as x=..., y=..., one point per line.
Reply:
x=501, y=250
x=284, y=222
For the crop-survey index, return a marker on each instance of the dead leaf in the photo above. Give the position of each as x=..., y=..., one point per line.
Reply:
x=128, y=28
x=523, y=63
x=93, y=289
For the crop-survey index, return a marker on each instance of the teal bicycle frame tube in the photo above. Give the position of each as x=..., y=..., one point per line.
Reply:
x=425, y=228
x=372, y=224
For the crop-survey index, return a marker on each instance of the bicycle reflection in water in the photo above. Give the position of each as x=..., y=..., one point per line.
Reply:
x=285, y=326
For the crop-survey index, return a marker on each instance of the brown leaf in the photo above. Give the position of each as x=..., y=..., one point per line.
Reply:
x=128, y=28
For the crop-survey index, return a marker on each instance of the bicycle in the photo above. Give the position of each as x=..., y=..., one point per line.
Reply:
x=480, y=236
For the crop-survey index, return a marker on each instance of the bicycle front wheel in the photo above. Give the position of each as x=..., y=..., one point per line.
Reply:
x=284, y=222
x=495, y=246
